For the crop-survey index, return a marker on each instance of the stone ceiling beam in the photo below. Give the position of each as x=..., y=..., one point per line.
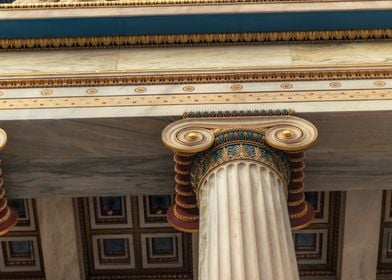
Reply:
x=126, y=156
x=73, y=11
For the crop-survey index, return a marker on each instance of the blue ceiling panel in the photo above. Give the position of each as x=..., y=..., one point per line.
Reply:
x=191, y=24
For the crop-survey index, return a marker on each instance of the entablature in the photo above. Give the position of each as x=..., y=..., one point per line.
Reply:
x=54, y=105
x=168, y=82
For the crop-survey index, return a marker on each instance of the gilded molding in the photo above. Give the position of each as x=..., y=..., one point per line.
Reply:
x=170, y=40
x=4, y=206
x=243, y=76
x=192, y=99
x=300, y=215
x=220, y=114
x=184, y=213
x=301, y=212
x=7, y=214
x=142, y=3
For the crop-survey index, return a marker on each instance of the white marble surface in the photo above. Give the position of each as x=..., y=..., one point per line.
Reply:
x=195, y=9
x=202, y=59
x=115, y=156
x=361, y=235
x=59, y=238
x=199, y=58
x=174, y=111
x=244, y=225
x=334, y=54
x=35, y=63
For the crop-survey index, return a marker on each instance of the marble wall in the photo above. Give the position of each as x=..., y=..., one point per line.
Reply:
x=196, y=59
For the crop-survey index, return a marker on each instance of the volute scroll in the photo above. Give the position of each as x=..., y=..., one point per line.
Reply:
x=286, y=133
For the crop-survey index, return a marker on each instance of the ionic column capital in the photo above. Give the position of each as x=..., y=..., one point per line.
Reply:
x=285, y=132
x=204, y=143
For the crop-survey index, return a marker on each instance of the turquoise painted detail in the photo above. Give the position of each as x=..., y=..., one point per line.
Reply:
x=239, y=145
x=193, y=24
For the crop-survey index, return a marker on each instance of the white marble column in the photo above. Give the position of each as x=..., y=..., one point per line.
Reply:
x=244, y=225
x=361, y=235
x=59, y=238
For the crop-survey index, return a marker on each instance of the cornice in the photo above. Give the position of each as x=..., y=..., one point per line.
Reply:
x=171, y=40
x=86, y=9
x=158, y=3
x=349, y=72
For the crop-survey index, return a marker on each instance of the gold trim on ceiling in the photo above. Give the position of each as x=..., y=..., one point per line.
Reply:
x=150, y=3
x=193, y=99
x=195, y=78
x=196, y=39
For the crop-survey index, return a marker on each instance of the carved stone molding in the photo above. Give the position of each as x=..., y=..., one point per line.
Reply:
x=210, y=39
x=244, y=75
x=83, y=4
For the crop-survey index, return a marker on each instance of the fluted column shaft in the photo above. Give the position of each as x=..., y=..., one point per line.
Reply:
x=244, y=225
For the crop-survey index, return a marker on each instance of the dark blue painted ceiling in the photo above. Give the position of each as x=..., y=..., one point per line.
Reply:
x=187, y=24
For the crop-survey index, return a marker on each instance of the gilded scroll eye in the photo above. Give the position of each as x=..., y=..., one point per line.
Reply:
x=192, y=136
x=287, y=133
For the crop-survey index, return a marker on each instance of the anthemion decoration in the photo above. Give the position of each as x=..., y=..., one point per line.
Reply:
x=236, y=174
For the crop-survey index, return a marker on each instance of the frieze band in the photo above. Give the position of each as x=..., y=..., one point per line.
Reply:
x=120, y=78
x=139, y=3
x=193, y=99
x=196, y=39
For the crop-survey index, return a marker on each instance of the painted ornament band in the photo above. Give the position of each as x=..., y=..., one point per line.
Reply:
x=239, y=145
x=301, y=212
x=183, y=214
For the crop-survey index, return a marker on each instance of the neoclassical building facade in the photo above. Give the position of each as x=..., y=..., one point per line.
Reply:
x=195, y=139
